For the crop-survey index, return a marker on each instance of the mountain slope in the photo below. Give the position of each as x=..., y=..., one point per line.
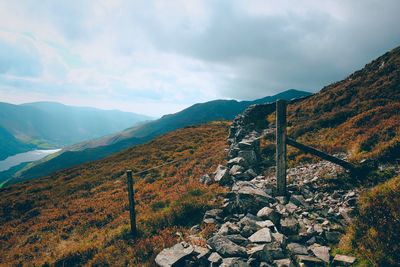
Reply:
x=359, y=115
x=9, y=145
x=52, y=124
x=79, y=215
x=194, y=115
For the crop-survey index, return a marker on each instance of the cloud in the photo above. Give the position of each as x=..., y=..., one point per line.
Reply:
x=169, y=55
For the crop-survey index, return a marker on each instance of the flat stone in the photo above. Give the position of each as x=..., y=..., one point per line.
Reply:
x=343, y=260
x=321, y=252
x=266, y=223
x=309, y=260
x=297, y=248
x=236, y=161
x=261, y=236
x=291, y=207
x=226, y=247
x=234, y=262
x=174, y=255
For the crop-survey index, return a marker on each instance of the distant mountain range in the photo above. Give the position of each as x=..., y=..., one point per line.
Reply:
x=97, y=149
x=49, y=124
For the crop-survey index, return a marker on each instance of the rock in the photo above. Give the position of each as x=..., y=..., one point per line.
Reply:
x=261, y=236
x=237, y=161
x=226, y=247
x=229, y=228
x=233, y=262
x=344, y=212
x=209, y=221
x=201, y=252
x=259, y=253
x=251, y=173
x=289, y=226
x=249, y=198
x=215, y=259
x=175, y=255
x=283, y=263
x=343, y=260
x=266, y=223
x=296, y=249
x=214, y=213
x=269, y=214
x=238, y=239
x=299, y=200
x=333, y=237
x=221, y=175
x=280, y=238
x=321, y=252
x=249, y=156
x=291, y=207
x=205, y=179
x=236, y=169
x=305, y=260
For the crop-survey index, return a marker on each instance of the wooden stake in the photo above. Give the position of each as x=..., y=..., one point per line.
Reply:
x=281, y=147
x=131, y=198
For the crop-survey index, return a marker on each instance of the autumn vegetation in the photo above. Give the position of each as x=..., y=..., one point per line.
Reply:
x=80, y=216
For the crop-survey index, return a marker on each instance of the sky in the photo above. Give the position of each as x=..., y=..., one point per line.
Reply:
x=158, y=57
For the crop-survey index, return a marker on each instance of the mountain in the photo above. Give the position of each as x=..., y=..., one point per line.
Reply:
x=49, y=124
x=100, y=148
x=79, y=216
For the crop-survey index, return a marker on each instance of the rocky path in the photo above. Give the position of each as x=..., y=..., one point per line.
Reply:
x=256, y=228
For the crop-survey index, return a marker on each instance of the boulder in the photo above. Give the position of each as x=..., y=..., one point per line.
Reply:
x=175, y=255
x=226, y=247
x=261, y=236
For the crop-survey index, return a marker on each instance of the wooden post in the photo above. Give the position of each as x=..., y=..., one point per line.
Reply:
x=281, y=147
x=131, y=198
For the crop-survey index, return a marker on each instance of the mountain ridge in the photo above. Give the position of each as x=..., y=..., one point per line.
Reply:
x=100, y=148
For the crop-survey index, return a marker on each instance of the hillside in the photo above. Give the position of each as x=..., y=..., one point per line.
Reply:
x=80, y=215
x=49, y=124
x=359, y=115
x=194, y=115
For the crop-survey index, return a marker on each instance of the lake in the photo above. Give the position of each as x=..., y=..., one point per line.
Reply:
x=25, y=157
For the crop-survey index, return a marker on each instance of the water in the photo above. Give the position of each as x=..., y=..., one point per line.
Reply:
x=25, y=157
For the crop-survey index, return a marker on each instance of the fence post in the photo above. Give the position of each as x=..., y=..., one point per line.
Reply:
x=131, y=198
x=281, y=147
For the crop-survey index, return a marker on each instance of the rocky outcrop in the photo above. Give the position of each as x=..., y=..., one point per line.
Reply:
x=256, y=228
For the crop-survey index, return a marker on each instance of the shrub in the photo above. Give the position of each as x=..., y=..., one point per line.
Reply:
x=375, y=233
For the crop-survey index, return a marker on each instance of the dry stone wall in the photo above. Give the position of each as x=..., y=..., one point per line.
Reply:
x=256, y=228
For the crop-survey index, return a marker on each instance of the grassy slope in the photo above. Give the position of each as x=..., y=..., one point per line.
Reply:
x=80, y=215
x=359, y=115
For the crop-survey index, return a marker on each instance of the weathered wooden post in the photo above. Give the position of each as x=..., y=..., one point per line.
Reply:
x=281, y=147
x=131, y=198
